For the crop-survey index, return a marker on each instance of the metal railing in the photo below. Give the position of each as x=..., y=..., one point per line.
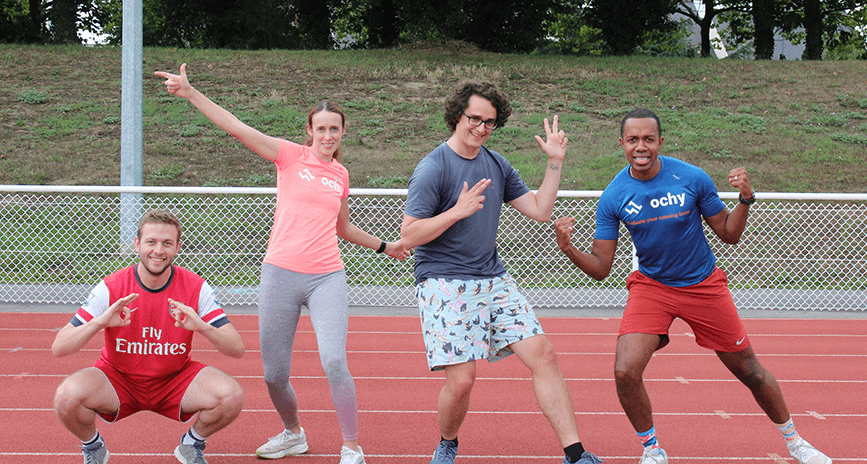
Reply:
x=800, y=251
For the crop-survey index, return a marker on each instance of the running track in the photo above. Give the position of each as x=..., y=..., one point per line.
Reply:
x=702, y=414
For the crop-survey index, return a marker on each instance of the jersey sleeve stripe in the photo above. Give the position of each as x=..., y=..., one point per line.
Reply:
x=81, y=317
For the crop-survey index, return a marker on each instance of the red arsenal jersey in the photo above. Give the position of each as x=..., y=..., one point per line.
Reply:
x=151, y=346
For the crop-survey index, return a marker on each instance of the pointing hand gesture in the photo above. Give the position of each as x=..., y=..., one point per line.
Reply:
x=177, y=84
x=471, y=199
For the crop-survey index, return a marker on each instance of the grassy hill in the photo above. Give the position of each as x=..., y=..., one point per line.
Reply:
x=797, y=126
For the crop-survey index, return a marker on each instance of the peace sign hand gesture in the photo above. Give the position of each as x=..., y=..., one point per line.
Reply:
x=555, y=141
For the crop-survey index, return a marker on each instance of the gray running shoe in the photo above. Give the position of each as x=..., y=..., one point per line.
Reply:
x=191, y=454
x=445, y=453
x=586, y=458
x=96, y=453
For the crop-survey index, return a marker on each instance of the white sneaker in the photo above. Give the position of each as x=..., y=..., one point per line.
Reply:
x=804, y=453
x=284, y=444
x=350, y=456
x=654, y=456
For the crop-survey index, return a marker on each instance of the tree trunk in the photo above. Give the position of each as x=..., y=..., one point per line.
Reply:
x=64, y=21
x=813, y=18
x=763, y=20
x=34, y=31
x=705, y=25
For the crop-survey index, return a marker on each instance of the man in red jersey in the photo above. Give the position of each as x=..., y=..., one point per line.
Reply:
x=149, y=312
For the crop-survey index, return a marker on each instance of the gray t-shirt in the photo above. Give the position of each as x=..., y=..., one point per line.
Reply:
x=468, y=249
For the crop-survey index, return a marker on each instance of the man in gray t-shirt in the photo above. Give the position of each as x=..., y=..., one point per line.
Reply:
x=470, y=308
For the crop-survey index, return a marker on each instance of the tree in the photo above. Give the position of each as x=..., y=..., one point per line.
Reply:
x=712, y=8
x=492, y=25
x=755, y=22
x=237, y=24
x=819, y=24
x=764, y=19
x=623, y=24
x=505, y=26
x=569, y=29
x=64, y=21
x=47, y=21
x=850, y=39
x=14, y=22
x=824, y=22
x=314, y=23
x=382, y=23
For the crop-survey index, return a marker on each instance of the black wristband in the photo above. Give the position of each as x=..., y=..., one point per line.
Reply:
x=745, y=201
x=381, y=247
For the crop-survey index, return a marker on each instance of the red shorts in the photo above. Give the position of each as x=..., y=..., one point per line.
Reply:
x=707, y=307
x=161, y=395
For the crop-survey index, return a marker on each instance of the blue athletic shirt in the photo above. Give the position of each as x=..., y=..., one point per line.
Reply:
x=664, y=217
x=468, y=249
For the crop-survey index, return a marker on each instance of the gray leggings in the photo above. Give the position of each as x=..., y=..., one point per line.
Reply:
x=281, y=295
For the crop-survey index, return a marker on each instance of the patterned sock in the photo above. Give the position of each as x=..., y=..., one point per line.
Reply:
x=788, y=431
x=574, y=451
x=191, y=437
x=648, y=439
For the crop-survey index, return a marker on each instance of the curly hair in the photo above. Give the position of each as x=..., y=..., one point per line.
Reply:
x=458, y=101
x=159, y=216
x=641, y=113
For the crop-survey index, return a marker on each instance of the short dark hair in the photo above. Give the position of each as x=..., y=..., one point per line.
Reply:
x=159, y=216
x=458, y=101
x=641, y=113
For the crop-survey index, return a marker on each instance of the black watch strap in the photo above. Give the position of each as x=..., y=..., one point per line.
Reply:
x=745, y=201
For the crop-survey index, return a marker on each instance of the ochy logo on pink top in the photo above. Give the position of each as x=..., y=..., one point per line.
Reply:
x=326, y=182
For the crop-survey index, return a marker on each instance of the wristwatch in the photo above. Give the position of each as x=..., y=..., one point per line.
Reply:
x=745, y=201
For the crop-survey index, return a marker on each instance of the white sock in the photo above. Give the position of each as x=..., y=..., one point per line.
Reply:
x=96, y=438
x=191, y=437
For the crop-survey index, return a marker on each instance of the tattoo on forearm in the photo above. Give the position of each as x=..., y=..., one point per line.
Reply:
x=554, y=167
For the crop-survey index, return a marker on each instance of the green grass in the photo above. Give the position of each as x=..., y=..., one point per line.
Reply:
x=777, y=118
x=798, y=126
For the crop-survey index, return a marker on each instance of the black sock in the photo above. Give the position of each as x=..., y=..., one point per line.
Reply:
x=455, y=441
x=574, y=451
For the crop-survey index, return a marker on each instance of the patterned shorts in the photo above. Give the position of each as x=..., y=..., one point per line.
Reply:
x=467, y=320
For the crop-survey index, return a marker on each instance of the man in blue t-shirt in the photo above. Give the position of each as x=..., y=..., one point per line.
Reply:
x=470, y=308
x=662, y=201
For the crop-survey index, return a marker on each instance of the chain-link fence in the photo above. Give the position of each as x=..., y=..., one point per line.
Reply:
x=800, y=251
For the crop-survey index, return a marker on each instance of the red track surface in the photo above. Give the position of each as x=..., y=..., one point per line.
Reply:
x=702, y=413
